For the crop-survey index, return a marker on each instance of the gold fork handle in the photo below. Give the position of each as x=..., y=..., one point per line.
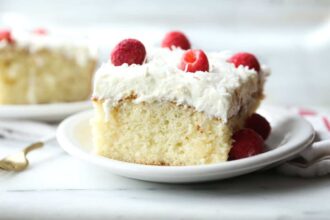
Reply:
x=33, y=146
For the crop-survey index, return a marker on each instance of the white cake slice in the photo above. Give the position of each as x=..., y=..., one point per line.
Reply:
x=42, y=68
x=158, y=114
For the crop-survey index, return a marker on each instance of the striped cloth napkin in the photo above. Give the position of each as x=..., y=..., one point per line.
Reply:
x=315, y=159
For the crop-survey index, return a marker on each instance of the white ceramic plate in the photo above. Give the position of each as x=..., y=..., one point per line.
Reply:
x=43, y=112
x=290, y=134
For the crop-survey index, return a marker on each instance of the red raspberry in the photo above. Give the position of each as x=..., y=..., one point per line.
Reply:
x=246, y=143
x=6, y=35
x=245, y=59
x=194, y=60
x=176, y=39
x=40, y=31
x=128, y=51
x=259, y=124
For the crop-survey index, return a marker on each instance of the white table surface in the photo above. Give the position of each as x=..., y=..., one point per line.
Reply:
x=57, y=186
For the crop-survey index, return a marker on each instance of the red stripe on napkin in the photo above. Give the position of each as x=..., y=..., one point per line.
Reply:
x=306, y=112
x=326, y=122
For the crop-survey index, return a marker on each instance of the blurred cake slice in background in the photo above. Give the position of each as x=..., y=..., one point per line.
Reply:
x=36, y=67
x=171, y=106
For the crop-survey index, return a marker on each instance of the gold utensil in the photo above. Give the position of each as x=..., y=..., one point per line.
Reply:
x=18, y=161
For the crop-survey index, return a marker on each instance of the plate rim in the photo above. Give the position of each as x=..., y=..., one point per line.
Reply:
x=48, y=112
x=255, y=162
x=38, y=106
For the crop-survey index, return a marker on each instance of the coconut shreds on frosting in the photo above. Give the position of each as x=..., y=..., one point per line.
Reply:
x=79, y=49
x=218, y=93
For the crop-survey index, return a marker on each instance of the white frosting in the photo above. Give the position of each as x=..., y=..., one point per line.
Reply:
x=218, y=93
x=79, y=49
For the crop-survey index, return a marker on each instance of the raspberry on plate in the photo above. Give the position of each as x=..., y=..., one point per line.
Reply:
x=259, y=124
x=194, y=60
x=246, y=143
x=130, y=51
x=176, y=39
x=245, y=59
x=6, y=35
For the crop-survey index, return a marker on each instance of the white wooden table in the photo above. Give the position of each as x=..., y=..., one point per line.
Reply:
x=57, y=186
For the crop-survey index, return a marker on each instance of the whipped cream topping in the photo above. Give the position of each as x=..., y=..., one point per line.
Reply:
x=79, y=49
x=218, y=93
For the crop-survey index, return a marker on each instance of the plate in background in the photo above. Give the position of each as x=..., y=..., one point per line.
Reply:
x=43, y=112
x=290, y=135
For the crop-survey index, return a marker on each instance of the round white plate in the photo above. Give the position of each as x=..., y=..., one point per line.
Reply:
x=290, y=134
x=43, y=112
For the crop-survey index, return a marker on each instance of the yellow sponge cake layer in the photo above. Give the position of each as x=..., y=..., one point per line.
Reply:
x=43, y=76
x=162, y=133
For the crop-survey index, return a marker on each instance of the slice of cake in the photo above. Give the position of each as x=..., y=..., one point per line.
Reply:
x=171, y=106
x=37, y=67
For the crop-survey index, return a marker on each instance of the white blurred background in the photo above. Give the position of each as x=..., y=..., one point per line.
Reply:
x=290, y=36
